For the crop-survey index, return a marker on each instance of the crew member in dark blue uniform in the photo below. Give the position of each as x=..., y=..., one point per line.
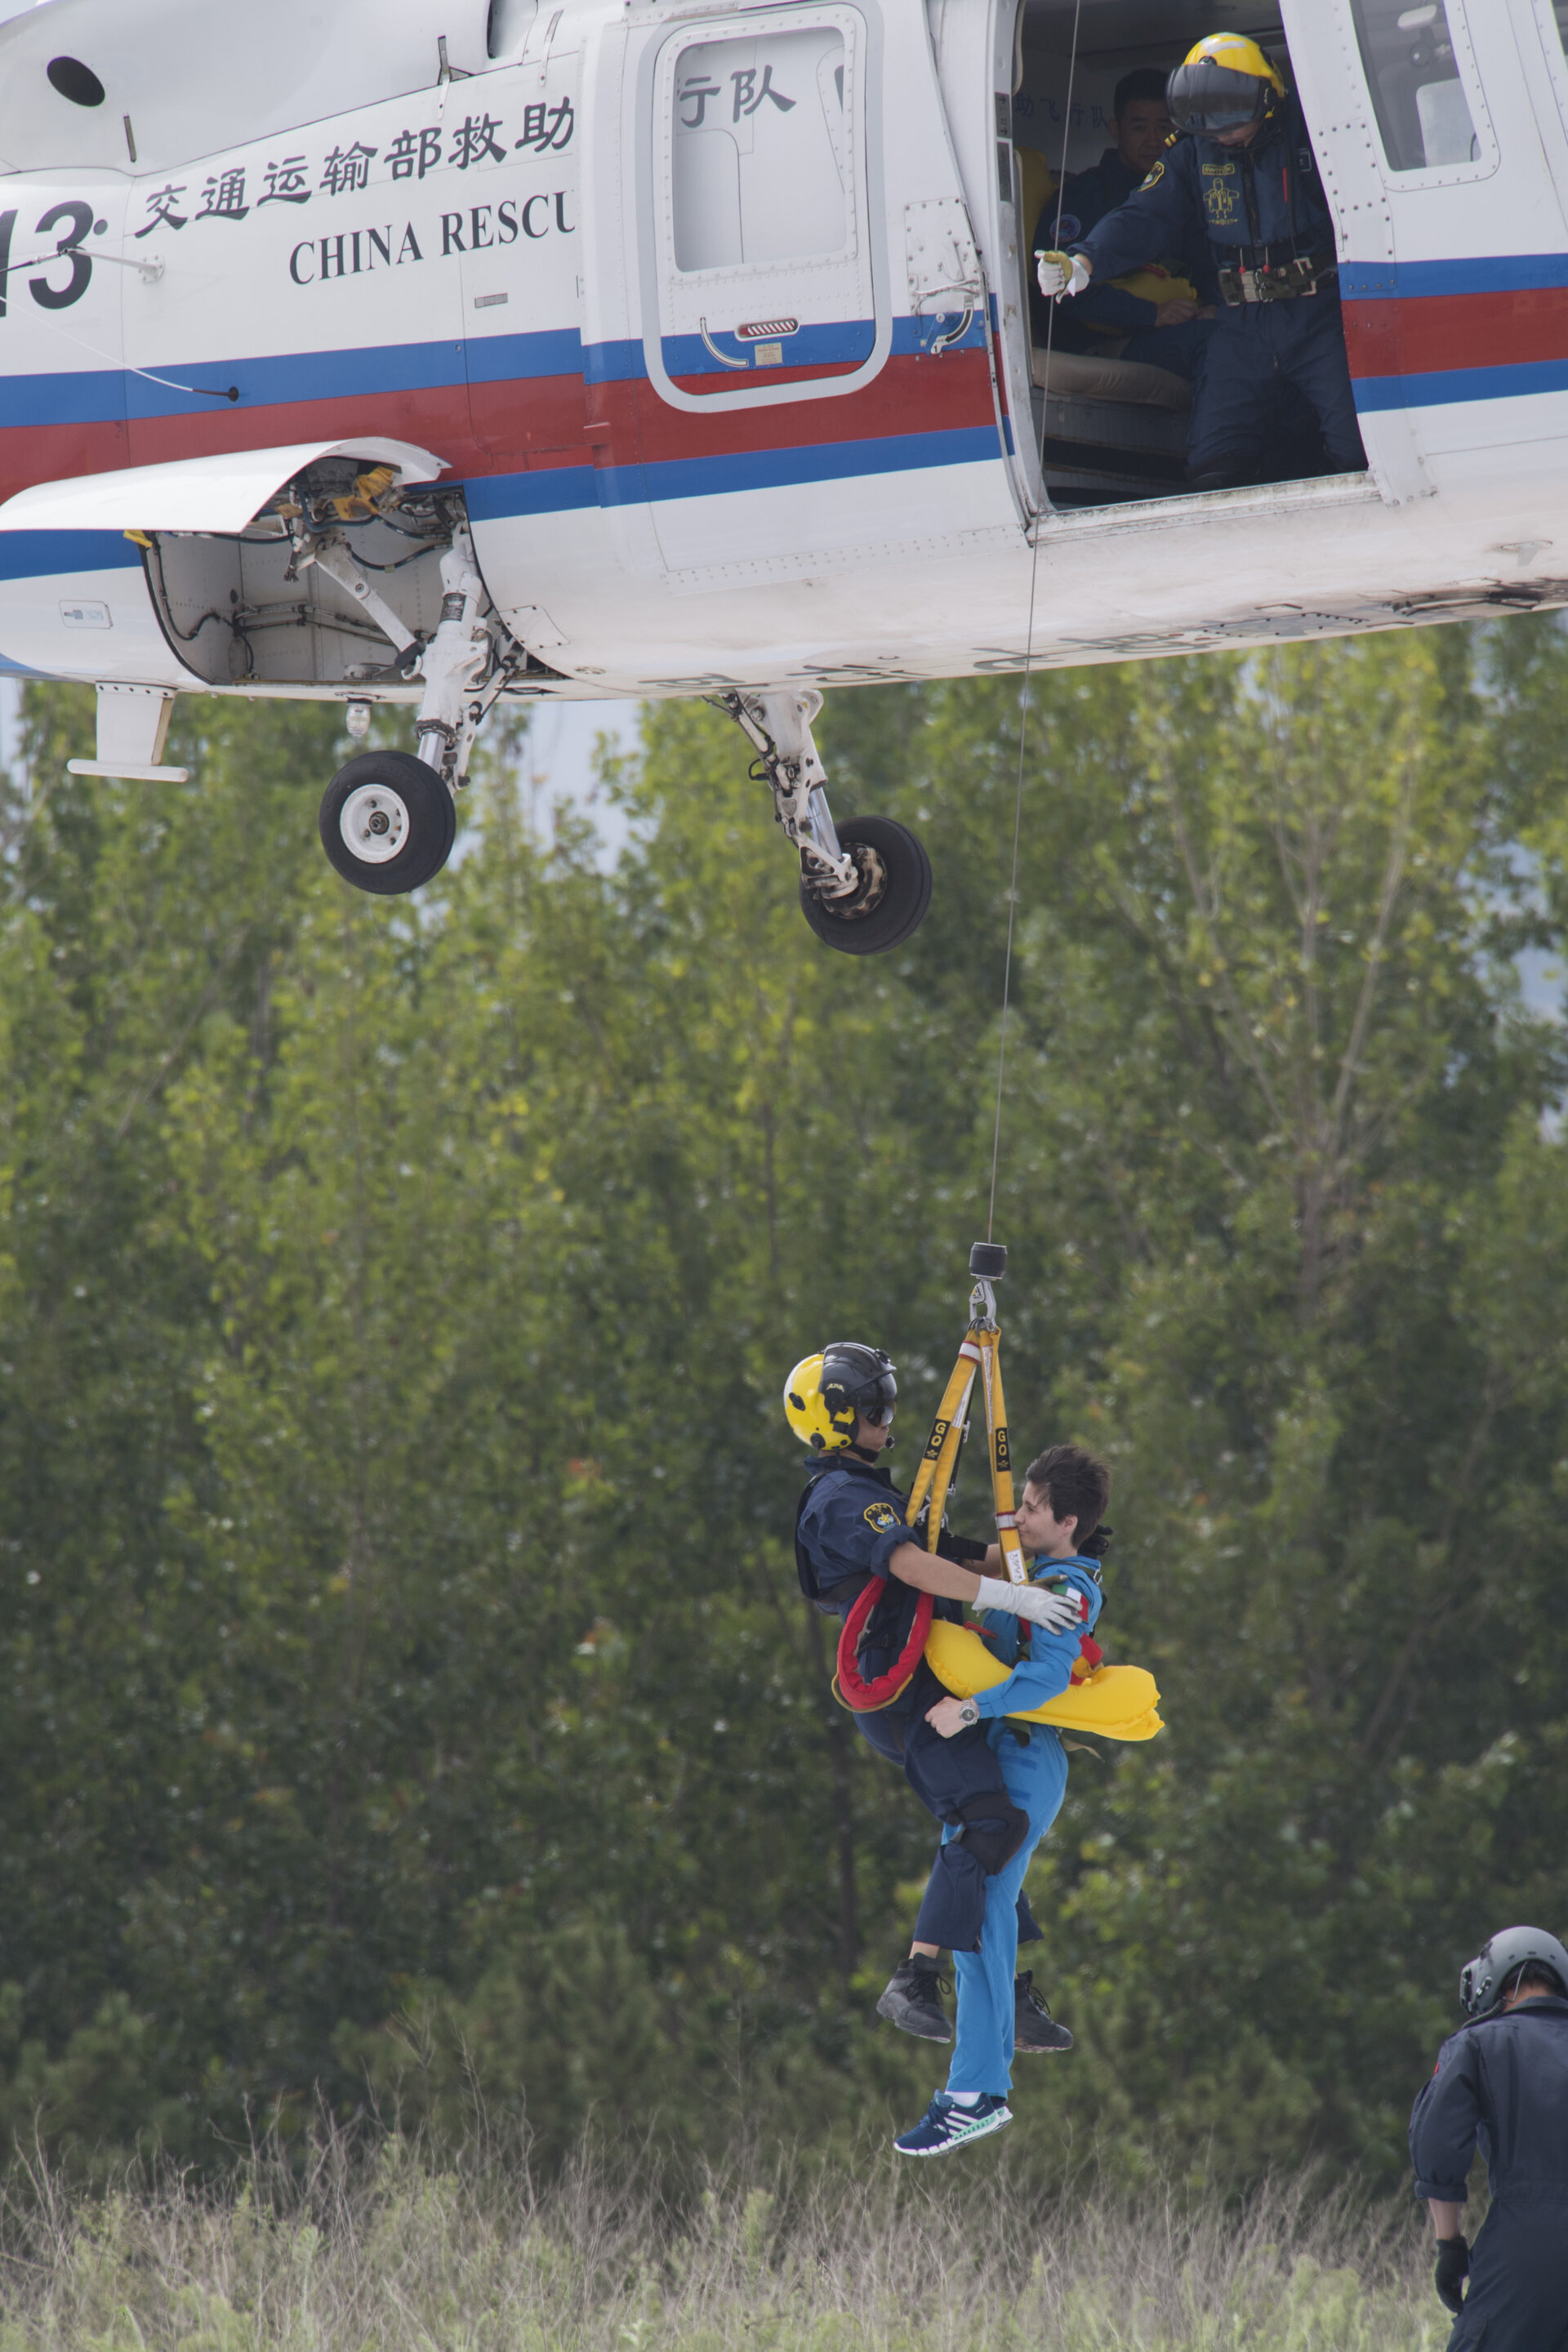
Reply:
x=849, y=1526
x=1241, y=167
x=1173, y=334
x=1502, y=2085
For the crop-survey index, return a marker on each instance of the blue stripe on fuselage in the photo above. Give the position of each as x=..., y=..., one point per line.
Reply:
x=108, y=395
x=30, y=554
x=105, y=396
x=491, y=497
x=494, y=497
x=1444, y=386
x=1508, y=273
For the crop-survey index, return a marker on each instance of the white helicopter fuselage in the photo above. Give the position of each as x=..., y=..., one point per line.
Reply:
x=716, y=316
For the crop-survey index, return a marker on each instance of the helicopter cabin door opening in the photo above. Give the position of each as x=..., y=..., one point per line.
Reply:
x=1113, y=384
x=1116, y=374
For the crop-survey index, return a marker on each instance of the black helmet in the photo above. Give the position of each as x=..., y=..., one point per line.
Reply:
x=1482, y=1981
x=859, y=1376
x=857, y=1380
x=1224, y=84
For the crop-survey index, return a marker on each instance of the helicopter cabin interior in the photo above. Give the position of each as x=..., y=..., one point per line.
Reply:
x=1111, y=427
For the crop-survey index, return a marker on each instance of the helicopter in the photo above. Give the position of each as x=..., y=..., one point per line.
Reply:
x=428, y=353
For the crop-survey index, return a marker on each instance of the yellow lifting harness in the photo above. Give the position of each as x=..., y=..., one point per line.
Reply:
x=1115, y=1702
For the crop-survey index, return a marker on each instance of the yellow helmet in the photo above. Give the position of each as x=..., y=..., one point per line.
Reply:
x=825, y=1394
x=1223, y=84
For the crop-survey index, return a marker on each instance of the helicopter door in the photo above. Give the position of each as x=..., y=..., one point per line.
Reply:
x=796, y=358
x=758, y=248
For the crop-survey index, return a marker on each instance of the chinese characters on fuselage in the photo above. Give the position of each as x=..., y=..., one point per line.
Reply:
x=748, y=96
x=479, y=139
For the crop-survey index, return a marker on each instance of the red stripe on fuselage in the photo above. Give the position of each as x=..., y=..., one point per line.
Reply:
x=535, y=423
x=1426, y=334
x=59, y=453
x=911, y=394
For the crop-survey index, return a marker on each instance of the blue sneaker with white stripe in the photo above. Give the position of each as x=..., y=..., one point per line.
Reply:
x=946, y=2125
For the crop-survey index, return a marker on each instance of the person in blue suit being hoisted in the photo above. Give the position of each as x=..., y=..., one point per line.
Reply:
x=1240, y=169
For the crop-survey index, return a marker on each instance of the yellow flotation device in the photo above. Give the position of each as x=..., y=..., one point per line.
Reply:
x=1153, y=284
x=1040, y=185
x=1117, y=1702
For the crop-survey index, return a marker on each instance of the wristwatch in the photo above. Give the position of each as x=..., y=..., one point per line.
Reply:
x=969, y=1712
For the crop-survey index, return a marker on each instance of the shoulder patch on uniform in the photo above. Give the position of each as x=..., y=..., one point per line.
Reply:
x=1155, y=176
x=880, y=1515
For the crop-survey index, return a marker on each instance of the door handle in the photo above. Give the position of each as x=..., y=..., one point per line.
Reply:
x=722, y=357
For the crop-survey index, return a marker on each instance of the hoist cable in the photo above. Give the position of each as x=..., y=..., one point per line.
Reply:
x=1029, y=639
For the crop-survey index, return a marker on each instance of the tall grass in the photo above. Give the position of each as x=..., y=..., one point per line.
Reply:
x=392, y=2253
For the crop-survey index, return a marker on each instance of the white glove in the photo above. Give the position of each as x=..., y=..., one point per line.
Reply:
x=1057, y=1611
x=1061, y=273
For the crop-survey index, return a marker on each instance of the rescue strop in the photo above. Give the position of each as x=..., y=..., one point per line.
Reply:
x=1116, y=1702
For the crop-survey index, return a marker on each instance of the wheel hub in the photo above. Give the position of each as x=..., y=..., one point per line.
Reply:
x=870, y=891
x=374, y=822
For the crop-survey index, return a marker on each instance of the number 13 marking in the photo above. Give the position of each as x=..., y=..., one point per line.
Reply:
x=67, y=248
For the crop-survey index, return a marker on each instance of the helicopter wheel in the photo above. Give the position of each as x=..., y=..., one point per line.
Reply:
x=387, y=822
x=894, y=891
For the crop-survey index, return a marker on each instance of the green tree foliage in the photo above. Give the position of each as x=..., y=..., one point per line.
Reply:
x=408, y=1690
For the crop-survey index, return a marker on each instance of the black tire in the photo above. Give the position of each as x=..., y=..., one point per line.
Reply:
x=411, y=798
x=895, y=889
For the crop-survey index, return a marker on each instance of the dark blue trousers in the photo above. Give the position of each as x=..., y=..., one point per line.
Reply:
x=1517, y=2300
x=1183, y=350
x=1257, y=348
x=944, y=1773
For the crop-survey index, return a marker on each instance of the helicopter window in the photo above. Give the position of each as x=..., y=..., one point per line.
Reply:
x=760, y=133
x=507, y=24
x=1422, y=110
x=1552, y=16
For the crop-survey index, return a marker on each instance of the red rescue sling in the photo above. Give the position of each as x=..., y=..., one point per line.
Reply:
x=852, y=1686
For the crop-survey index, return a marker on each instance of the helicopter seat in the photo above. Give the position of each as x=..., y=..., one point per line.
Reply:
x=1085, y=376
x=1112, y=428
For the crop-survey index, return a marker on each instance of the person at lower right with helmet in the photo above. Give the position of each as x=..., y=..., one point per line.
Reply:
x=1240, y=170
x=1501, y=2084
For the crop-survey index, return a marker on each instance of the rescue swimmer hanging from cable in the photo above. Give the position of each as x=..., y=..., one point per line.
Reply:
x=974, y=1720
x=1241, y=171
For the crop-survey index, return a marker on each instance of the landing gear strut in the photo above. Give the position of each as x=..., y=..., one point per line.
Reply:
x=865, y=884
x=388, y=818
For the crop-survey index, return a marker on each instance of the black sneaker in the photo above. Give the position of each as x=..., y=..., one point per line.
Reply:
x=910, y=2000
x=1034, y=2026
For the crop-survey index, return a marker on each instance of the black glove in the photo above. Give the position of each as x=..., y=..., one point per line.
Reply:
x=1096, y=1546
x=1453, y=2270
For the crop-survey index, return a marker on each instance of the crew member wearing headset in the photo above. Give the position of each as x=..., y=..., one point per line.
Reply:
x=1501, y=2083
x=849, y=1528
x=1240, y=169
